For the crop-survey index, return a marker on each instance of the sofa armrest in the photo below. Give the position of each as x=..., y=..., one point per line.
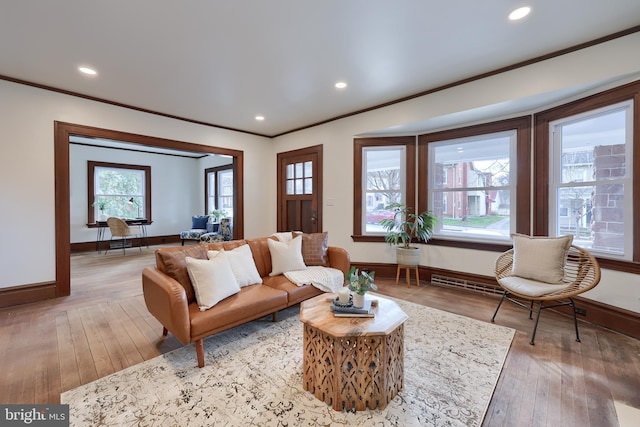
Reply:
x=166, y=300
x=339, y=258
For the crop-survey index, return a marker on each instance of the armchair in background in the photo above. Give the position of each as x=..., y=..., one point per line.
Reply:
x=200, y=225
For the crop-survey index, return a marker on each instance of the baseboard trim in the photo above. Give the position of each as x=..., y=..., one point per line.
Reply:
x=615, y=318
x=151, y=240
x=19, y=295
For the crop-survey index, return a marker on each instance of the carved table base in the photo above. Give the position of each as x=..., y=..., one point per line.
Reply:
x=354, y=372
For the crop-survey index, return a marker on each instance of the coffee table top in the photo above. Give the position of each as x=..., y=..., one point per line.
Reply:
x=317, y=313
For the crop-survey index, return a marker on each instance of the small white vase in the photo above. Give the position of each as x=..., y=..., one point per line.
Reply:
x=358, y=300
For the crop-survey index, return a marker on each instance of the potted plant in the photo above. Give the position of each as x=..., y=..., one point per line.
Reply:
x=359, y=282
x=406, y=227
x=101, y=204
x=217, y=214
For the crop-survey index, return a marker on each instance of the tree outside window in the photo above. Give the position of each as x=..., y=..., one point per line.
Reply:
x=117, y=190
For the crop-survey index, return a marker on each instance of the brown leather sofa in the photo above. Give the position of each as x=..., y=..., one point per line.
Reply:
x=170, y=298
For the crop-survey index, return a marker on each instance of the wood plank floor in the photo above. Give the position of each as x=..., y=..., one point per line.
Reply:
x=104, y=327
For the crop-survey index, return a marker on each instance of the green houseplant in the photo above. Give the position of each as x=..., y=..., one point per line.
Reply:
x=359, y=282
x=101, y=205
x=406, y=227
x=218, y=213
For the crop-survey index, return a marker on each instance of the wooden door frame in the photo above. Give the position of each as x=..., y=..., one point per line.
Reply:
x=315, y=149
x=62, y=132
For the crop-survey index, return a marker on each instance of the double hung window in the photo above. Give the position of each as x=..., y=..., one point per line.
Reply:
x=385, y=174
x=590, y=179
x=118, y=190
x=476, y=180
x=219, y=189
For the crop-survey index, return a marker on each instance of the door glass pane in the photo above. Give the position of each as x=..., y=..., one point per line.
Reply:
x=290, y=171
x=308, y=186
x=308, y=169
x=298, y=186
x=299, y=170
x=290, y=189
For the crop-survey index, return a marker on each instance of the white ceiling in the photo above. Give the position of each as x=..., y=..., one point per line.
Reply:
x=224, y=62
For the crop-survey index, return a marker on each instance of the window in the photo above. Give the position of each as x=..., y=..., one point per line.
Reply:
x=219, y=189
x=590, y=179
x=384, y=173
x=476, y=181
x=586, y=183
x=299, y=178
x=119, y=190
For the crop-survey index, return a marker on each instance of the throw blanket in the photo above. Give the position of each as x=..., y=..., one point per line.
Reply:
x=326, y=279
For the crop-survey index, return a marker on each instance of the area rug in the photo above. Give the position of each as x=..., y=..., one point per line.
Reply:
x=253, y=377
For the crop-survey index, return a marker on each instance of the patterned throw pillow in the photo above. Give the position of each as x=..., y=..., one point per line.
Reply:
x=314, y=248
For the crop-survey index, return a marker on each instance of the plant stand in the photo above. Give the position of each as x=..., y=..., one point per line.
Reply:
x=408, y=274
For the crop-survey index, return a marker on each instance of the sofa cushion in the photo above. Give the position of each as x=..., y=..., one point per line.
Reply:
x=540, y=258
x=212, y=280
x=286, y=256
x=253, y=301
x=296, y=293
x=314, y=248
x=172, y=262
x=242, y=265
x=199, y=222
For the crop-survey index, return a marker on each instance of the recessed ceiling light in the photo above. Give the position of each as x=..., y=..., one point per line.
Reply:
x=259, y=118
x=519, y=13
x=341, y=85
x=87, y=70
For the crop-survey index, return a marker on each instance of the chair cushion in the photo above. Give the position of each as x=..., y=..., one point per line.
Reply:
x=193, y=234
x=199, y=221
x=540, y=258
x=528, y=287
x=212, y=280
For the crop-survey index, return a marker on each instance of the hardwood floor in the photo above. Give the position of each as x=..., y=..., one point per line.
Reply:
x=104, y=327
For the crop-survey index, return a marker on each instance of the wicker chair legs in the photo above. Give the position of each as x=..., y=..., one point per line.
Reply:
x=541, y=307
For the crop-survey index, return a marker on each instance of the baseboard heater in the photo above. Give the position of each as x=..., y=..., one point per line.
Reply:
x=453, y=282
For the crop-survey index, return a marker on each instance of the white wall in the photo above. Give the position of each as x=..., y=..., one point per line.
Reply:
x=27, y=215
x=27, y=182
x=614, y=60
x=177, y=189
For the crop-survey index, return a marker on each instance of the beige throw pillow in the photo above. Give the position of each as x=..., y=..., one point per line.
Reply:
x=242, y=265
x=212, y=280
x=286, y=256
x=540, y=258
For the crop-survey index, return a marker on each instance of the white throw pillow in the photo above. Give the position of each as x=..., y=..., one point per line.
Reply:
x=540, y=258
x=212, y=280
x=242, y=264
x=286, y=256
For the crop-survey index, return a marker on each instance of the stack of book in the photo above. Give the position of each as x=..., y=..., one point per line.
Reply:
x=351, y=311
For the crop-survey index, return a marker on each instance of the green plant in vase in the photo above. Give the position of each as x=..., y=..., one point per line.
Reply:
x=217, y=214
x=360, y=282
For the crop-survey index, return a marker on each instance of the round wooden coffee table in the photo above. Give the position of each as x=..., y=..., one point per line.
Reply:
x=353, y=363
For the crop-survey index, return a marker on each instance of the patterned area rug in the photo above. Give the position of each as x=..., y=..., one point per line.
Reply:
x=253, y=377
